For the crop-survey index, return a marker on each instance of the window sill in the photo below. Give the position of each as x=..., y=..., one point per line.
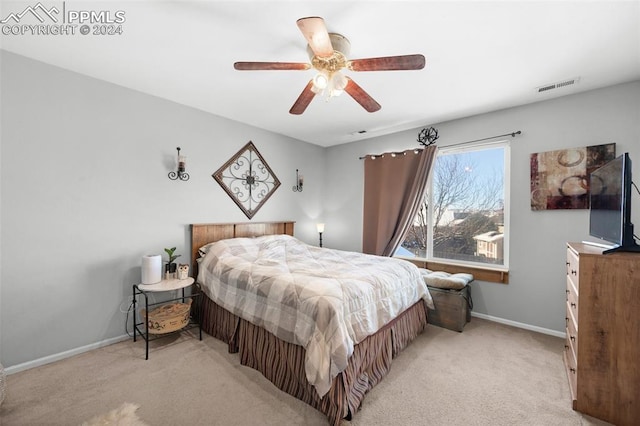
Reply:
x=479, y=273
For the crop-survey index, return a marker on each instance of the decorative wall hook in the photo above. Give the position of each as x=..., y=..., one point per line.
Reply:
x=180, y=173
x=428, y=136
x=299, y=181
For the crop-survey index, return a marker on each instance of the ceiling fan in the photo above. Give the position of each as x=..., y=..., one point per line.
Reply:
x=328, y=53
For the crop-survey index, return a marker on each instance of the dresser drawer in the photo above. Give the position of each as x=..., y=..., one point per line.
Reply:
x=573, y=268
x=570, y=367
x=572, y=335
x=572, y=301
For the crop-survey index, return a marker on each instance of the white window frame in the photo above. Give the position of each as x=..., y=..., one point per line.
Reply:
x=507, y=205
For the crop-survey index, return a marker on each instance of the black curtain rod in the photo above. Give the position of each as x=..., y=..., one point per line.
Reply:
x=513, y=135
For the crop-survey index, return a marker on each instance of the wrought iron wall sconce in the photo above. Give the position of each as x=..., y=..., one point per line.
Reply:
x=180, y=173
x=320, y=227
x=299, y=180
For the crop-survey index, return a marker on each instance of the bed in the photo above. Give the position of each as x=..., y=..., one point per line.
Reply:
x=333, y=351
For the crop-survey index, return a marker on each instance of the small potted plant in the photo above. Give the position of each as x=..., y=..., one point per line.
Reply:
x=171, y=267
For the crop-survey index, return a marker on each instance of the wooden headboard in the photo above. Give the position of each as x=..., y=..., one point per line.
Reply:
x=205, y=233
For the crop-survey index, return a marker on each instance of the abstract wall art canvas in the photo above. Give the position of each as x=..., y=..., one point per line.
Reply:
x=560, y=179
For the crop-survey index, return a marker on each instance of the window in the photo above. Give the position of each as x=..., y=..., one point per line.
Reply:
x=464, y=216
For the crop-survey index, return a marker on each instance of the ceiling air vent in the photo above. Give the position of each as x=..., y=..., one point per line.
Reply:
x=557, y=85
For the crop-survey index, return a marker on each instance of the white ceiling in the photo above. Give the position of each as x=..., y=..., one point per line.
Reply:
x=481, y=56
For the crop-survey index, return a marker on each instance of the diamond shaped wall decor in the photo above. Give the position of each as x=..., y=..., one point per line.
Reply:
x=248, y=179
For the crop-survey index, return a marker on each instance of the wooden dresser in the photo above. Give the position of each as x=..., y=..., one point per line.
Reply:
x=602, y=349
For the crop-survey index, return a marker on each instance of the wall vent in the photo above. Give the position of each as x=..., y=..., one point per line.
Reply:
x=557, y=85
x=545, y=88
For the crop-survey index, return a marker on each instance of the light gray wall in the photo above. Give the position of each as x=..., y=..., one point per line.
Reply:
x=85, y=194
x=535, y=294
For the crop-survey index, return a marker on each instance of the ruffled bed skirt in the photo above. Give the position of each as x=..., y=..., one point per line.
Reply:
x=283, y=363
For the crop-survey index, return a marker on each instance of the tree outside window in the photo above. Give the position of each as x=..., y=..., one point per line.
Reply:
x=462, y=216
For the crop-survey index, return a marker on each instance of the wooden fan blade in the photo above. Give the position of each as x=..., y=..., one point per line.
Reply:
x=362, y=97
x=388, y=63
x=303, y=100
x=276, y=66
x=314, y=30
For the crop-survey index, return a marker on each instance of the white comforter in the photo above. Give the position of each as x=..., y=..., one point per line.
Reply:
x=321, y=299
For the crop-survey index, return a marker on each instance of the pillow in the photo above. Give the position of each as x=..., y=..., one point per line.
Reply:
x=440, y=279
x=203, y=250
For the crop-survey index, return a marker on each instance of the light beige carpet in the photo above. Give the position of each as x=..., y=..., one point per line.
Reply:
x=121, y=416
x=490, y=374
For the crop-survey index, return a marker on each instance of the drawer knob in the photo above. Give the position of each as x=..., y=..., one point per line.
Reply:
x=573, y=305
x=573, y=338
x=573, y=370
x=573, y=272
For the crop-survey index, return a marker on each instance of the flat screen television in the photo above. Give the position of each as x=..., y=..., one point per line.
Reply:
x=610, y=205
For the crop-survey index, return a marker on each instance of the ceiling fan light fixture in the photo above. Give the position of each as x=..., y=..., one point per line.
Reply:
x=334, y=93
x=328, y=53
x=320, y=82
x=337, y=84
x=339, y=81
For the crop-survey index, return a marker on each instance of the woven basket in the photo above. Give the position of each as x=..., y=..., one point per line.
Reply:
x=168, y=318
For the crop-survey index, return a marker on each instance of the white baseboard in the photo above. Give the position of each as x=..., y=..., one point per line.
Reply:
x=62, y=355
x=520, y=325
